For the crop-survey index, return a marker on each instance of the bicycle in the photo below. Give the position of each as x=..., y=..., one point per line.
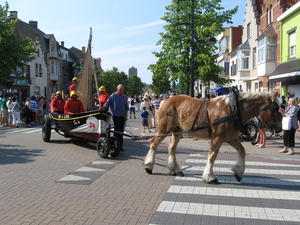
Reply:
x=271, y=133
x=251, y=129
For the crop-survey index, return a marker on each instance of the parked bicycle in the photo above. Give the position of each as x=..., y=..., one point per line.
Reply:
x=251, y=129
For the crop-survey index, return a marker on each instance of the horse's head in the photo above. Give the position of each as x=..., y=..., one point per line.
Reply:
x=270, y=115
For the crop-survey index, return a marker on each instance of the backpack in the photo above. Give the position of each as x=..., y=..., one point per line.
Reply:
x=132, y=101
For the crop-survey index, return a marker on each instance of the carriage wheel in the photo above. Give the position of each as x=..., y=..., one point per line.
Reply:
x=46, y=128
x=115, y=147
x=251, y=132
x=103, y=147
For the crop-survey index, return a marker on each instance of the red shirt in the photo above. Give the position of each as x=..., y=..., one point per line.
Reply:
x=73, y=106
x=103, y=98
x=72, y=88
x=57, y=104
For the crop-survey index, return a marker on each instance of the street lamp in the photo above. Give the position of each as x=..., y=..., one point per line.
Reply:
x=208, y=41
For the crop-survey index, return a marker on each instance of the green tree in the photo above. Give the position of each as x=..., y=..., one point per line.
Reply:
x=112, y=78
x=13, y=53
x=190, y=21
x=135, y=85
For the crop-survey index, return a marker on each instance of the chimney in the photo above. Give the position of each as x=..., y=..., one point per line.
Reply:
x=83, y=50
x=62, y=43
x=13, y=14
x=33, y=24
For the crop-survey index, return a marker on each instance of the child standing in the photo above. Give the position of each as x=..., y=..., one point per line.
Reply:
x=144, y=116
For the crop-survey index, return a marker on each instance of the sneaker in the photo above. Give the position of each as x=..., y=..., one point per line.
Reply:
x=261, y=146
x=291, y=152
x=257, y=144
x=283, y=151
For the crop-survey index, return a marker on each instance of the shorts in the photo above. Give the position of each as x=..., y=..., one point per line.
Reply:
x=145, y=123
x=4, y=113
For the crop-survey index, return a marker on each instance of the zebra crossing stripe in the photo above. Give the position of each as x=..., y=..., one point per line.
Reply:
x=247, y=170
x=232, y=192
x=230, y=211
x=88, y=169
x=74, y=178
x=251, y=163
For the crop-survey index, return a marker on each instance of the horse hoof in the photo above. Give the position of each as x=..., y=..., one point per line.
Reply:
x=148, y=171
x=237, y=177
x=214, y=181
x=179, y=174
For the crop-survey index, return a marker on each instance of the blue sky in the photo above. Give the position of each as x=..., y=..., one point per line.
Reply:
x=125, y=32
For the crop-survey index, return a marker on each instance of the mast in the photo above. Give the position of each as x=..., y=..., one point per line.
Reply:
x=86, y=78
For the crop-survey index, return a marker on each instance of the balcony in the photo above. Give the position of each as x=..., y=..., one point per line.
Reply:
x=53, y=54
x=54, y=77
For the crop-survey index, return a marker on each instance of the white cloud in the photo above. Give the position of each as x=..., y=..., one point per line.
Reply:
x=142, y=26
x=125, y=49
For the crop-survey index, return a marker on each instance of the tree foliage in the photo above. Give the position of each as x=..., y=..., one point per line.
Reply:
x=112, y=78
x=134, y=86
x=13, y=53
x=190, y=21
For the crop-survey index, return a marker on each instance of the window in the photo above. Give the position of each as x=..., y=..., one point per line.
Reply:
x=271, y=48
x=272, y=86
x=52, y=49
x=260, y=86
x=36, y=70
x=256, y=87
x=54, y=69
x=292, y=44
x=270, y=15
x=243, y=59
x=248, y=30
x=266, y=49
x=248, y=87
x=261, y=50
x=254, y=58
x=40, y=70
x=233, y=68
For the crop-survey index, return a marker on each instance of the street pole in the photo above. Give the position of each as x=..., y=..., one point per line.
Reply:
x=192, y=51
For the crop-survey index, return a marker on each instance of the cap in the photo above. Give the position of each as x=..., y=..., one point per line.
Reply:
x=75, y=78
x=58, y=93
x=102, y=88
x=73, y=93
x=144, y=107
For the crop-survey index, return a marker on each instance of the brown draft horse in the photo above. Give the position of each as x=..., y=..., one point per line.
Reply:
x=179, y=113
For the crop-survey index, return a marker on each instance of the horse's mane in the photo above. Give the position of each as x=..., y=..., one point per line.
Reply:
x=245, y=96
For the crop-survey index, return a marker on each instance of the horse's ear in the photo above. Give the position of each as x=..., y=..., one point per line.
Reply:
x=274, y=96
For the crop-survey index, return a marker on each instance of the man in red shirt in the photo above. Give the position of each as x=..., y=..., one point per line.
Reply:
x=103, y=96
x=73, y=104
x=73, y=85
x=57, y=104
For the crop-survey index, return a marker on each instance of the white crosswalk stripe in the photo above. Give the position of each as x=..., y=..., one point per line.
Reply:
x=263, y=196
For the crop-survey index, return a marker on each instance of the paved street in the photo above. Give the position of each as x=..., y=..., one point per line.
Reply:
x=66, y=182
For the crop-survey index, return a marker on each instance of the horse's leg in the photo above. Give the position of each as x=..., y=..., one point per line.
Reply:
x=208, y=174
x=239, y=167
x=172, y=163
x=150, y=157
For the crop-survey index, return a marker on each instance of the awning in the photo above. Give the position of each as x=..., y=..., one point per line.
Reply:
x=221, y=90
x=286, y=69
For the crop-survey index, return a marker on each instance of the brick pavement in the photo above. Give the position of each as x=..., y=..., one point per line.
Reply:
x=125, y=194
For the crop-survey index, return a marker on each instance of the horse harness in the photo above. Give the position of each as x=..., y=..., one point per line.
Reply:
x=235, y=113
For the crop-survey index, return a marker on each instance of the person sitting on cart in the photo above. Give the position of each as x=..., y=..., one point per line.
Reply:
x=73, y=85
x=103, y=96
x=73, y=104
x=57, y=104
